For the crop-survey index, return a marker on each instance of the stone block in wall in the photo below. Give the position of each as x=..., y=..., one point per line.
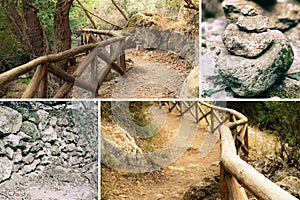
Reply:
x=43, y=119
x=30, y=129
x=6, y=167
x=49, y=135
x=28, y=159
x=9, y=153
x=2, y=148
x=12, y=140
x=24, y=137
x=18, y=156
x=31, y=167
x=10, y=120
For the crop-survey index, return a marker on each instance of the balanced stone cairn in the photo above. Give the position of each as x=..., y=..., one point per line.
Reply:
x=255, y=57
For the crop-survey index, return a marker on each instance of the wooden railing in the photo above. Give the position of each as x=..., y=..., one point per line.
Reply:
x=235, y=173
x=111, y=51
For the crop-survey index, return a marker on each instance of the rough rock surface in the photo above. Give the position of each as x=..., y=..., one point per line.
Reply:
x=147, y=31
x=190, y=87
x=258, y=57
x=246, y=44
x=249, y=77
x=207, y=189
x=282, y=16
x=256, y=23
x=39, y=140
x=10, y=121
x=275, y=169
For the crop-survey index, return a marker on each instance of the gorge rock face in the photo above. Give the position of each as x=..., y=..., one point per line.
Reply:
x=257, y=57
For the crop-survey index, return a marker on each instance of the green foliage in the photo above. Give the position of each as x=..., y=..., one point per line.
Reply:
x=11, y=50
x=282, y=120
x=295, y=76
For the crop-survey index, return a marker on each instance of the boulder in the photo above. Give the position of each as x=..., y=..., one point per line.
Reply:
x=10, y=120
x=207, y=189
x=190, y=87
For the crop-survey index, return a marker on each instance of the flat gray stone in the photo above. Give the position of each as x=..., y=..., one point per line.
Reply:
x=249, y=77
x=257, y=23
x=249, y=11
x=245, y=44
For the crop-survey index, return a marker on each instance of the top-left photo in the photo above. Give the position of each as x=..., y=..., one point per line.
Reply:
x=102, y=49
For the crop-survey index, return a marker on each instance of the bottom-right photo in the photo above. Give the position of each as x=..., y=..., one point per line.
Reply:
x=189, y=150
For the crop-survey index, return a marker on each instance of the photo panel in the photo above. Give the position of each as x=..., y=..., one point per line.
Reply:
x=101, y=49
x=199, y=150
x=250, y=50
x=49, y=150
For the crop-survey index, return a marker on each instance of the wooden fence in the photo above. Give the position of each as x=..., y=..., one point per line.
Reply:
x=235, y=173
x=111, y=51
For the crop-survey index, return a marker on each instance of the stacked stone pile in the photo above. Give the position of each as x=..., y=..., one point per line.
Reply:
x=30, y=141
x=255, y=57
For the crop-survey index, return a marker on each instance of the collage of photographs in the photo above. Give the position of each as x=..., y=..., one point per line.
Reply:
x=149, y=100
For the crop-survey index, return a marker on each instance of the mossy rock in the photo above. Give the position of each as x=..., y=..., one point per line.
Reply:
x=140, y=20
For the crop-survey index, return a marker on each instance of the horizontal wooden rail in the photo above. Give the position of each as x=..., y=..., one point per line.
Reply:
x=100, y=32
x=251, y=179
x=234, y=140
x=14, y=73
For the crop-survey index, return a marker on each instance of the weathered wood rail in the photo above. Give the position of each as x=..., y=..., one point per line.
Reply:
x=111, y=51
x=236, y=175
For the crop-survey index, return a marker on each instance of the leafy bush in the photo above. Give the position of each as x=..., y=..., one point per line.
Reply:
x=282, y=120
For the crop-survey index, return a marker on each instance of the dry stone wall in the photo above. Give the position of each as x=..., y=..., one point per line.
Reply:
x=31, y=140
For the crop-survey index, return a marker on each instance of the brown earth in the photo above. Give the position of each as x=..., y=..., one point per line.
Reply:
x=169, y=183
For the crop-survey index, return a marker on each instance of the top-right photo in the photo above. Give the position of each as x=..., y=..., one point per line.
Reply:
x=250, y=49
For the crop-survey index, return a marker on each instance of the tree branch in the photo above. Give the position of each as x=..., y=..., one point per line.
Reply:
x=85, y=10
x=120, y=10
x=87, y=14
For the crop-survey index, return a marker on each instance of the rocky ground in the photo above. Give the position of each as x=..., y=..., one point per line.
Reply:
x=213, y=86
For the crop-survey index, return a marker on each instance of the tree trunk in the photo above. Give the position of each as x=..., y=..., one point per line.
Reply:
x=28, y=29
x=62, y=30
x=62, y=41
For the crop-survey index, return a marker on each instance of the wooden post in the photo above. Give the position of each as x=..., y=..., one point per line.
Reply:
x=251, y=179
x=229, y=185
x=35, y=82
x=122, y=58
x=104, y=74
x=223, y=185
x=42, y=91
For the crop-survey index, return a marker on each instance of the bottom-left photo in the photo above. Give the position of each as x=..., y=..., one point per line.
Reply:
x=49, y=150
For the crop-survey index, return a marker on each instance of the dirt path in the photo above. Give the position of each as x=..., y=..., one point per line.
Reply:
x=171, y=182
x=152, y=74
